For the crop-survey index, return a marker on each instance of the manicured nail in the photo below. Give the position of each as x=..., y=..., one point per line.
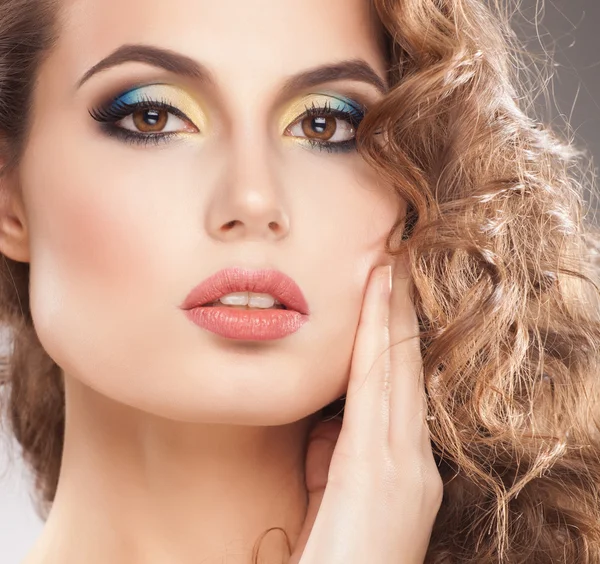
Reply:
x=386, y=282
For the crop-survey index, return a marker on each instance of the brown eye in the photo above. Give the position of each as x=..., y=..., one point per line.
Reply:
x=149, y=120
x=322, y=129
x=156, y=121
x=319, y=127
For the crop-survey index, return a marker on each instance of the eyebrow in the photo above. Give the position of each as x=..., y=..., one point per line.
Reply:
x=354, y=69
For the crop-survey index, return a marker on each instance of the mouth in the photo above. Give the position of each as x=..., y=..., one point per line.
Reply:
x=255, y=322
x=278, y=291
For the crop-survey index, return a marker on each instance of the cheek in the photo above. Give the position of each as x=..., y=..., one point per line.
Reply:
x=94, y=240
x=85, y=223
x=343, y=215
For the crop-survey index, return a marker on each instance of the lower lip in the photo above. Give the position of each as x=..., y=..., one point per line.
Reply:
x=247, y=324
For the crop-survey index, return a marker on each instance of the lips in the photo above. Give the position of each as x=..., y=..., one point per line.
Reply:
x=265, y=281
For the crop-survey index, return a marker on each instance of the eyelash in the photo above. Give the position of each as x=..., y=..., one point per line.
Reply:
x=109, y=114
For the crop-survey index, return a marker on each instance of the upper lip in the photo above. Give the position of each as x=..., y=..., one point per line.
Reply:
x=267, y=281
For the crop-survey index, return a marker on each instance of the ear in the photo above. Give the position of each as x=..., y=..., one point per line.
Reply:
x=14, y=237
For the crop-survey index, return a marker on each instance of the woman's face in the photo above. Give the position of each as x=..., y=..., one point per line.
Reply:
x=121, y=228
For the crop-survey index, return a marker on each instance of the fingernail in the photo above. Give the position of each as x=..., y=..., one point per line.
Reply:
x=386, y=282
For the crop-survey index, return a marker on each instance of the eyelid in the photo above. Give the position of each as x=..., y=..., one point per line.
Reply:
x=180, y=103
x=297, y=108
x=175, y=96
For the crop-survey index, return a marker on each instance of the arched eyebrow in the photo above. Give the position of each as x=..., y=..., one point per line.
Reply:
x=354, y=69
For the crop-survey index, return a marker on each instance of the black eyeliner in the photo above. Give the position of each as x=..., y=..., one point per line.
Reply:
x=115, y=110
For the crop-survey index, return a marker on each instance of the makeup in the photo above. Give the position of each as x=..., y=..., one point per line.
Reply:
x=148, y=106
x=246, y=324
x=324, y=121
x=242, y=323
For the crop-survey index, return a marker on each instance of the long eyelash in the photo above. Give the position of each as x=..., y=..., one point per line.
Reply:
x=115, y=111
x=353, y=117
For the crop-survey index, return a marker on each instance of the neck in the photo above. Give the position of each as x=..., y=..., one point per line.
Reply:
x=137, y=488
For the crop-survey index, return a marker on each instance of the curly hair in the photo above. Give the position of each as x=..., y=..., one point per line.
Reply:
x=504, y=265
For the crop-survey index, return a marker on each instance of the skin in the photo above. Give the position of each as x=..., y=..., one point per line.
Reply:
x=182, y=446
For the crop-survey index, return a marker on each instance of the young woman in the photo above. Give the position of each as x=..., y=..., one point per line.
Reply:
x=200, y=204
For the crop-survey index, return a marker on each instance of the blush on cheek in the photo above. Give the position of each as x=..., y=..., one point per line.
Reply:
x=78, y=267
x=90, y=219
x=81, y=240
x=82, y=268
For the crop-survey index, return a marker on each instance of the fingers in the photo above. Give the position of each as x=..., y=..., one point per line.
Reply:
x=366, y=412
x=386, y=402
x=408, y=401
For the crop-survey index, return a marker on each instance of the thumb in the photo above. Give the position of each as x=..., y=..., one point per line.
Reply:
x=321, y=444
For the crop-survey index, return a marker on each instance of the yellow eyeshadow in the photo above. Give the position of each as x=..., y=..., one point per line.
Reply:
x=298, y=107
x=173, y=95
x=333, y=101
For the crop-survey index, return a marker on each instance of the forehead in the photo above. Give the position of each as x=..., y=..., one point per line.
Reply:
x=251, y=41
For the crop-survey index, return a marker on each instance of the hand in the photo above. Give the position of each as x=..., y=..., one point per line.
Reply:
x=373, y=485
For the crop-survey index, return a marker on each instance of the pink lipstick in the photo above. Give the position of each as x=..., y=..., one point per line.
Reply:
x=202, y=307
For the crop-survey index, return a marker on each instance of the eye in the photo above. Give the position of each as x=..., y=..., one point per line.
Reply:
x=326, y=127
x=323, y=128
x=137, y=117
x=155, y=120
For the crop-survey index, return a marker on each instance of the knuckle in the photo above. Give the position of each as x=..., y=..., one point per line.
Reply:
x=422, y=474
x=348, y=470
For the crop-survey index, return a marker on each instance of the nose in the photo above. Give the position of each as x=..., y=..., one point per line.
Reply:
x=250, y=200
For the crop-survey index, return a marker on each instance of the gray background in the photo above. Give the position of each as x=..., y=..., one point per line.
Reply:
x=569, y=32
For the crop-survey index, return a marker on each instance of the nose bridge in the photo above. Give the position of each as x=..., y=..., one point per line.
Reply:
x=251, y=198
x=248, y=146
x=251, y=157
x=246, y=104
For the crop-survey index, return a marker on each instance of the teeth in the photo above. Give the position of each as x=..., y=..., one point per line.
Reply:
x=250, y=299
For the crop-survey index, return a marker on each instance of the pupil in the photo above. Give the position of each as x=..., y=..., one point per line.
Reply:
x=151, y=117
x=319, y=124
